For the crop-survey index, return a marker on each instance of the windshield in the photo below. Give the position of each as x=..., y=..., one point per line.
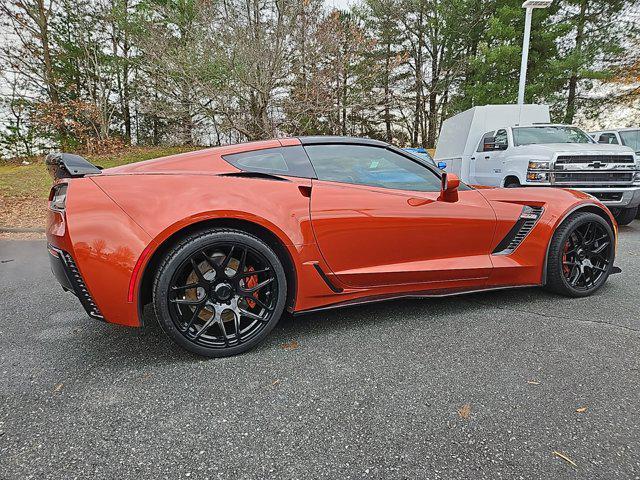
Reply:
x=631, y=138
x=549, y=134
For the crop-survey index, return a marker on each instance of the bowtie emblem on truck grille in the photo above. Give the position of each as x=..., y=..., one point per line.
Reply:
x=597, y=165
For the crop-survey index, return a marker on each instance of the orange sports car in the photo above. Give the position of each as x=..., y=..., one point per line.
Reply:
x=223, y=240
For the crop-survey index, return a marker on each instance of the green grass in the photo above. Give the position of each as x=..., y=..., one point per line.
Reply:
x=33, y=181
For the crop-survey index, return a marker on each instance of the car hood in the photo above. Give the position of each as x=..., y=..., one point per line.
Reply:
x=549, y=149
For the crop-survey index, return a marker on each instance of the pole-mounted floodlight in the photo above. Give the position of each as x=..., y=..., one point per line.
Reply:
x=529, y=5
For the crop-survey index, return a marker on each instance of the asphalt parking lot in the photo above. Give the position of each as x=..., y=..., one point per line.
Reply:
x=480, y=386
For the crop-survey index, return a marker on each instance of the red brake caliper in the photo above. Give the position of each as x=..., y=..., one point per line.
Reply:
x=251, y=282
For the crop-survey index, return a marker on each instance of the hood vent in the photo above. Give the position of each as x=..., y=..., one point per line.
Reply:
x=528, y=219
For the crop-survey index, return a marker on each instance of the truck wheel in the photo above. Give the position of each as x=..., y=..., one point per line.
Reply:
x=511, y=182
x=624, y=216
x=581, y=255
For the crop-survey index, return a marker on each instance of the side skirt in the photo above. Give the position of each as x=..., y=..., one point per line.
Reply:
x=415, y=295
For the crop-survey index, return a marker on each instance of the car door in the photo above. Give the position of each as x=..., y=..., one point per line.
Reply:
x=378, y=221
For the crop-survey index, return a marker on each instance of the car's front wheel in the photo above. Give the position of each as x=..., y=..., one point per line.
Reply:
x=220, y=292
x=581, y=255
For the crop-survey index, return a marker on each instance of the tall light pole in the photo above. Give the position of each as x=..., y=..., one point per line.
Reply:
x=528, y=5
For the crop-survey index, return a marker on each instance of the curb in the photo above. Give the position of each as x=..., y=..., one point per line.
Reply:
x=21, y=230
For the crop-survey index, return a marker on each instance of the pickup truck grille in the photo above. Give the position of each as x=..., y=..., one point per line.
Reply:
x=564, y=159
x=590, y=176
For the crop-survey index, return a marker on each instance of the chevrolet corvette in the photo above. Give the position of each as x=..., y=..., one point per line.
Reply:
x=222, y=241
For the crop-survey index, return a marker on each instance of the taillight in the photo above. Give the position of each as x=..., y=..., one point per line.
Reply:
x=58, y=197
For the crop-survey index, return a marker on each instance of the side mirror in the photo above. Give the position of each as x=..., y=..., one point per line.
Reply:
x=449, y=188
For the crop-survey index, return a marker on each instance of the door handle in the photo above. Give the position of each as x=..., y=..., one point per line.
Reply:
x=473, y=158
x=487, y=157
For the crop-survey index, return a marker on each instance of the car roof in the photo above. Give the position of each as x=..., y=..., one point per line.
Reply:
x=328, y=139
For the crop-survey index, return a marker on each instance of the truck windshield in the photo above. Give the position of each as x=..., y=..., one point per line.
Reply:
x=631, y=138
x=549, y=134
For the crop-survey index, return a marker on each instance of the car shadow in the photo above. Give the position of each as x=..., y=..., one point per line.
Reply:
x=150, y=346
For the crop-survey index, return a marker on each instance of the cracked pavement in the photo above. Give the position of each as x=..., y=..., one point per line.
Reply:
x=379, y=391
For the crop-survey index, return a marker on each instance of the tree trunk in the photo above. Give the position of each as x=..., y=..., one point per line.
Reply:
x=417, y=118
x=387, y=92
x=573, y=80
x=43, y=25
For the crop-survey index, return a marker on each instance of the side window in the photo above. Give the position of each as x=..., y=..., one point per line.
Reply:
x=501, y=139
x=373, y=166
x=291, y=161
x=609, y=138
x=485, y=137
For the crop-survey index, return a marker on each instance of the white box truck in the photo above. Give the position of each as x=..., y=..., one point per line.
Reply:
x=518, y=146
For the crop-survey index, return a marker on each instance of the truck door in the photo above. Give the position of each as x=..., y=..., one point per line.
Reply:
x=483, y=162
x=608, y=138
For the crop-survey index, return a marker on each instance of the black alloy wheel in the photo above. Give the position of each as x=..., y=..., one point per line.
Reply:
x=581, y=255
x=219, y=293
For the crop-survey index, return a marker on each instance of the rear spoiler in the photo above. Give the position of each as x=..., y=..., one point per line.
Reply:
x=67, y=165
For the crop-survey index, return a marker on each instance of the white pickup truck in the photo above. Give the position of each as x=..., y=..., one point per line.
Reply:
x=516, y=145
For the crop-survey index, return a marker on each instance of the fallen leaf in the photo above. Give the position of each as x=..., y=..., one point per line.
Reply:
x=565, y=458
x=58, y=387
x=533, y=382
x=464, y=411
x=581, y=409
x=275, y=382
x=292, y=345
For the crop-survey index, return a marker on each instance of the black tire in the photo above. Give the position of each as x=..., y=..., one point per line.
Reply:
x=624, y=216
x=206, y=313
x=572, y=250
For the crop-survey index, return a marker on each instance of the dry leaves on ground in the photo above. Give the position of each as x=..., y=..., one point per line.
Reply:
x=465, y=411
x=23, y=212
x=581, y=409
x=292, y=345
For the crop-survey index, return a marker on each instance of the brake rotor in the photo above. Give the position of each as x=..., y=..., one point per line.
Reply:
x=209, y=273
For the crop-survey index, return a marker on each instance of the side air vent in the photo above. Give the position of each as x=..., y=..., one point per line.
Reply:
x=528, y=219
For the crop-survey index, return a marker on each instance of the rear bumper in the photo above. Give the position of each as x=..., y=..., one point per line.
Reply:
x=66, y=272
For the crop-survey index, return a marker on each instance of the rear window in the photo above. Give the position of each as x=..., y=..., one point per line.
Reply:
x=290, y=161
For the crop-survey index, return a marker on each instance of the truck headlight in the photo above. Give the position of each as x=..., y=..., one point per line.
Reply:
x=537, y=176
x=535, y=165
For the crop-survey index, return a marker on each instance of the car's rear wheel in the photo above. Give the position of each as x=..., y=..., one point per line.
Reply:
x=220, y=292
x=581, y=255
